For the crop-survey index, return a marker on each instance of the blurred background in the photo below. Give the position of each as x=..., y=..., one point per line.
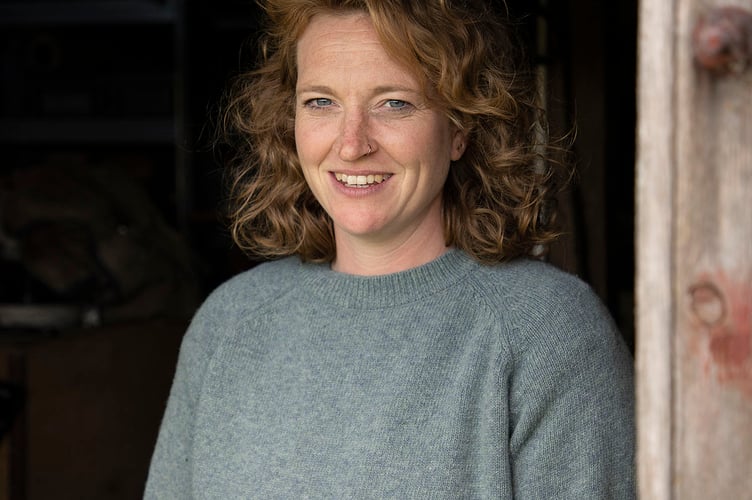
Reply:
x=111, y=227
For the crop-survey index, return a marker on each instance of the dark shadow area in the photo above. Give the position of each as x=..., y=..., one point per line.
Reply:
x=111, y=202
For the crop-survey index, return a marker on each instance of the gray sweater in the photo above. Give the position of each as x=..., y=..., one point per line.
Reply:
x=451, y=380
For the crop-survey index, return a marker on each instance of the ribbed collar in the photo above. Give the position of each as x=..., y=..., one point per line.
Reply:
x=368, y=292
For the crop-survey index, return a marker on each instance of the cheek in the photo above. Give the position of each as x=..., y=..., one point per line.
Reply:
x=310, y=158
x=302, y=146
x=300, y=140
x=310, y=143
x=443, y=148
x=442, y=139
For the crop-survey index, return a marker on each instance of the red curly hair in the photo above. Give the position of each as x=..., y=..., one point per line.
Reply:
x=497, y=200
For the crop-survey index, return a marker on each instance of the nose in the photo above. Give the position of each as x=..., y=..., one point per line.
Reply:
x=353, y=140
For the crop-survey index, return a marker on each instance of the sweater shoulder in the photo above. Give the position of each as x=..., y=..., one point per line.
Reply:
x=539, y=303
x=530, y=284
x=242, y=295
x=255, y=287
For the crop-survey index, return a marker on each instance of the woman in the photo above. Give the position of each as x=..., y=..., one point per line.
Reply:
x=406, y=346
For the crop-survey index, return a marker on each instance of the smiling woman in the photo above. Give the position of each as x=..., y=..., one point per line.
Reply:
x=361, y=114
x=460, y=61
x=405, y=343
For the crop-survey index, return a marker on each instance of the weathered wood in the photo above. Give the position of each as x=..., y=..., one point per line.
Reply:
x=654, y=207
x=695, y=280
x=714, y=278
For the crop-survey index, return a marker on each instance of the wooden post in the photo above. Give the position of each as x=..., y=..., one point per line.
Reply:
x=694, y=252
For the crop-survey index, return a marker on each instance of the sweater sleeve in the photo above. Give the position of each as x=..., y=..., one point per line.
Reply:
x=170, y=472
x=572, y=405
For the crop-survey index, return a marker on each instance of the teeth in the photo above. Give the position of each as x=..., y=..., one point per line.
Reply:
x=361, y=180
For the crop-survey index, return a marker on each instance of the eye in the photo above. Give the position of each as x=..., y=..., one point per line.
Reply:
x=318, y=102
x=396, y=104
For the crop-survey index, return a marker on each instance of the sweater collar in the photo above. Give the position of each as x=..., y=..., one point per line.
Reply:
x=368, y=292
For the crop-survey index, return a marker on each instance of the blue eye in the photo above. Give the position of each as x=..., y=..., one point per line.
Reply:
x=319, y=102
x=396, y=104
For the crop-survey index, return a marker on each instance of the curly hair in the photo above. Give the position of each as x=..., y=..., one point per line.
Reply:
x=497, y=200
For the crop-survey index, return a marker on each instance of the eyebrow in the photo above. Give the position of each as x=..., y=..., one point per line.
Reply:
x=315, y=88
x=382, y=89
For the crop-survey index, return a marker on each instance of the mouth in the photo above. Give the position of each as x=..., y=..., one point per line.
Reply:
x=360, y=181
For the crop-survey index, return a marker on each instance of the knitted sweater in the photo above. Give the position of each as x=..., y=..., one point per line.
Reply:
x=451, y=380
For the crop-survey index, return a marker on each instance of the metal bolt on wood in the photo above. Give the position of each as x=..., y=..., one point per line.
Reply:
x=722, y=40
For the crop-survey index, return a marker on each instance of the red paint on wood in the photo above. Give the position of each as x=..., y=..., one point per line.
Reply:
x=728, y=342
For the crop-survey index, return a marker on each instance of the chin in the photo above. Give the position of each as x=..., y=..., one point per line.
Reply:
x=359, y=220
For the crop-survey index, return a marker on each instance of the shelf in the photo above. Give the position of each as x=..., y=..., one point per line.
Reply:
x=87, y=12
x=87, y=131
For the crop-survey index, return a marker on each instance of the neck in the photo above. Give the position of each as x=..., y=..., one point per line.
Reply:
x=370, y=259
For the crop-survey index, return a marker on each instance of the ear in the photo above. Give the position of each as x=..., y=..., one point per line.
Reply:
x=459, y=143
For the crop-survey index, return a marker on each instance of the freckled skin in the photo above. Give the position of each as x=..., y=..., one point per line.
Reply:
x=351, y=98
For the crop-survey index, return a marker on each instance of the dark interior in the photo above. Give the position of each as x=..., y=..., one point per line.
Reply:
x=111, y=226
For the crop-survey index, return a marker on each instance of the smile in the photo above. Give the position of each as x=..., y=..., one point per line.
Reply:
x=361, y=181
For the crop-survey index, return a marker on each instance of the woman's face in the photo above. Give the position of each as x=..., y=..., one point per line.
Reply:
x=353, y=98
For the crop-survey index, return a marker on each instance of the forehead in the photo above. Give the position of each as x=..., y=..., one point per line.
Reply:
x=338, y=24
x=330, y=35
x=347, y=43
